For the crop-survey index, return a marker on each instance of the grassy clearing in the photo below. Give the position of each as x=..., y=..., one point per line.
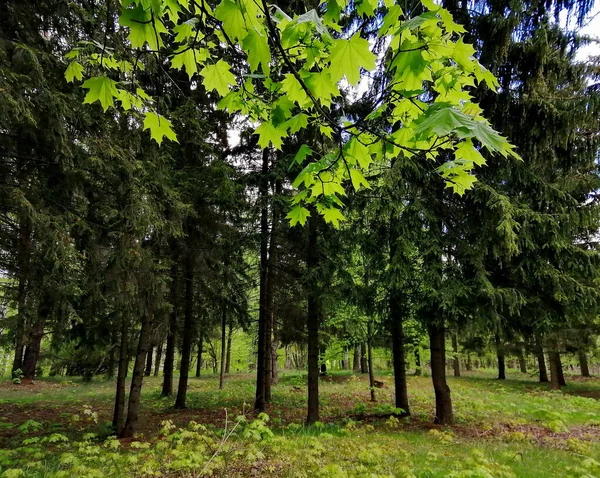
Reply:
x=506, y=428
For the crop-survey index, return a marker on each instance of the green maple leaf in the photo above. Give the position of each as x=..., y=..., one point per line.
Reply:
x=460, y=180
x=441, y=119
x=256, y=46
x=231, y=15
x=298, y=215
x=267, y=133
x=411, y=68
x=360, y=153
x=332, y=215
x=303, y=153
x=293, y=89
x=358, y=180
x=141, y=27
x=218, y=77
x=463, y=55
x=159, y=127
x=348, y=56
x=74, y=71
x=466, y=151
x=296, y=123
x=185, y=30
x=184, y=58
x=101, y=89
x=322, y=86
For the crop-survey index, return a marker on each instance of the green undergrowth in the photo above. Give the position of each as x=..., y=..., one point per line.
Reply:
x=512, y=428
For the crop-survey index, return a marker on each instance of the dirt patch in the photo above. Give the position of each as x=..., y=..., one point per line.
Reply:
x=33, y=385
x=585, y=393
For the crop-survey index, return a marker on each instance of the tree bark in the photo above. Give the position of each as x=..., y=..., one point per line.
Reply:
x=364, y=363
x=370, y=359
x=561, y=375
x=24, y=259
x=313, y=319
x=455, y=359
x=501, y=358
x=158, y=357
x=167, y=388
x=119, y=411
x=188, y=331
x=223, y=346
x=443, y=400
x=418, y=367
x=356, y=358
x=200, y=347
x=135, y=391
x=398, y=352
x=583, y=364
x=522, y=363
x=469, y=365
x=229, y=340
x=149, y=361
x=539, y=352
x=554, y=370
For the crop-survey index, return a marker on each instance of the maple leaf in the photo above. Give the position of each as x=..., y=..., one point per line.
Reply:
x=347, y=57
x=218, y=77
x=159, y=127
x=233, y=19
x=257, y=47
x=267, y=133
x=74, y=71
x=298, y=215
x=101, y=89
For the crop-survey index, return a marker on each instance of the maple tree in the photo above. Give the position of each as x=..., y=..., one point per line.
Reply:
x=298, y=72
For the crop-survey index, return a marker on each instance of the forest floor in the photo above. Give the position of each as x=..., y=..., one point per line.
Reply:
x=511, y=428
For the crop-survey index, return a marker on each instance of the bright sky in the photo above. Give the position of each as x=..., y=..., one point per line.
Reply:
x=592, y=29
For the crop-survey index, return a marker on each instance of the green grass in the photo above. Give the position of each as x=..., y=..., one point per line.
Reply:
x=515, y=427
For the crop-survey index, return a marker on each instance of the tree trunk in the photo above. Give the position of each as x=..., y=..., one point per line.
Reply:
x=455, y=360
x=469, y=365
x=364, y=363
x=228, y=355
x=188, y=331
x=148, y=370
x=539, y=352
x=24, y=256
x=583, y=364
x=135, y=391
x=32, y=352
x=553, y=358
x=223, y=346
x=263, y=307
x=522, y=363
x=418, y=367
x=158, y=357
x=356, y=358
x=370, y=359
x=119, y=411
x=167, y=388
x=501, y=358
x=313, y=319
x=443, y=400
x=398, y=354
x=561, y=375
x=200, y=347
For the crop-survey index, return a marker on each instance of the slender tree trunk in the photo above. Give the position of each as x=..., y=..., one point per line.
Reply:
x=313, y=319
x=188, y=331
x=228, y=357
x=149, y=361
x=469, y=364
x=561, y=375
x=200, y=347
x=158, y=357
x=522, y=363
x=553, y=358
x=223, y=347
x=167, y=388
x=398, y=353
x=24, y=256
x=263, y=307
x=275, y=353
x=370, y=359
x=356, y=358
x=364, y=363
x=583, y=364
x=455, y=360
x=539, y=352
x=443, y=400
x=418, y=366
x=119, y=411
x=501, y=358
x=135, y=391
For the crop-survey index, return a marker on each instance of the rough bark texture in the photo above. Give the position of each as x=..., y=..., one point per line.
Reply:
x=135, y=391
x=455, y=359
x=24, y=255
x=36, y=333
x=501, y=358
x=522, y=363
x=119, y=411
x=561, y=374
x=553, y=359
x=364, y=363
x=399, y=358
x=443, y=401
x=313, y=318
x=149, y=361
x=356, y=358
x=541, y=363
x=583, y=364
x=167, y=388
x=159, y=349
x=187, y=332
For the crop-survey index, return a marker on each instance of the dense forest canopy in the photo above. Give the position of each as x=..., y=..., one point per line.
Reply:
x=194, y=187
